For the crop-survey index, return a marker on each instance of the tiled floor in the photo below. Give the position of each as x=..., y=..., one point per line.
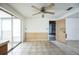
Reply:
x=43, y=48
x=12, y=44
x=73, y=43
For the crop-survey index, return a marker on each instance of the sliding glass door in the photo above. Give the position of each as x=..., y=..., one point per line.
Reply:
x=6, y=29
x=10, y=29
x=16, y=30
x=0, y=30
x=7, y=32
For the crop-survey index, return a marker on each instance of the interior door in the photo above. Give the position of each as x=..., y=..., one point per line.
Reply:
x=61, y=30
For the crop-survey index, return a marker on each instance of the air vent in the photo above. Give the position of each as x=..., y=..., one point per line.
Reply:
x=69, y=8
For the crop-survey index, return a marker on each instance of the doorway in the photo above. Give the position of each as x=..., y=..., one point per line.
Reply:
x=52, y=30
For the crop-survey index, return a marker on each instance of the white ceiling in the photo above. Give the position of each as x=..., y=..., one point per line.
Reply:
x=27, y=11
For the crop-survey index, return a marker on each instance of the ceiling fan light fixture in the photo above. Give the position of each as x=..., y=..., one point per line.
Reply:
x=42, y=15
x=69, y=8
x=44, y=10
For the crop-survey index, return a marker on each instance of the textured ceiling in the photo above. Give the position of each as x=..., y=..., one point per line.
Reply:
x=27, y=11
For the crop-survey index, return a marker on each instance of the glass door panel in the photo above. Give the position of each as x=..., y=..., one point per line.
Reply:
x=0, y=30
x=16, y=30
x=6, y=29
x=10, y=29
x=7, y=32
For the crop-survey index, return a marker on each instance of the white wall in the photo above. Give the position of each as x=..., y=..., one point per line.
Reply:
x=37, y=25
x=72, y=28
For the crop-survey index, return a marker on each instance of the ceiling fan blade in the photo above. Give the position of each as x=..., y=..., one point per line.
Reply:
x=50, y=5
x=35, y=8
x=36, y=13
x=49, y=12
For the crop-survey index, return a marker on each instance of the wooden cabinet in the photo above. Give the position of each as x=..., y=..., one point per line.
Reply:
x=3, y=48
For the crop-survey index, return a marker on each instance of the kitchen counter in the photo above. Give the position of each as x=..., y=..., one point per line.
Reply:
x=3, y=47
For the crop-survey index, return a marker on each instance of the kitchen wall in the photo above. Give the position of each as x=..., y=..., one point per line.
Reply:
x=37, y=29
x=37, y=25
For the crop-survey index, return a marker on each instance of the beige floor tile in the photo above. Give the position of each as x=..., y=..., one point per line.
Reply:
x=45, y=48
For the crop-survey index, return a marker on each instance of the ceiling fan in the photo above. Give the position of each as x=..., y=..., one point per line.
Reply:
x=44, y=9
